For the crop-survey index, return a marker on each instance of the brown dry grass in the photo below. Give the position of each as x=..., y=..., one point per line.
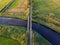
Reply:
x=21, y=7
x=57, y=1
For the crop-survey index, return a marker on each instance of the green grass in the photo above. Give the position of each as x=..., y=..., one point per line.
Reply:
x=47, y=13
x=13, y=32
x=15, y=3
x=3, y=3
x=18, y=34
x=6, y=41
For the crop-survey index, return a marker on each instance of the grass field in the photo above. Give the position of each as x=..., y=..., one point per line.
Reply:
x=6, y=41
x=11, y=34
x=13, y=12
x=3, y=3
x=15, y=3
x=47, y=13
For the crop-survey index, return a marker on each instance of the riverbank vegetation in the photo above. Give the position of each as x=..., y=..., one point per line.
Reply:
x=18, y=34
x=47, y=12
